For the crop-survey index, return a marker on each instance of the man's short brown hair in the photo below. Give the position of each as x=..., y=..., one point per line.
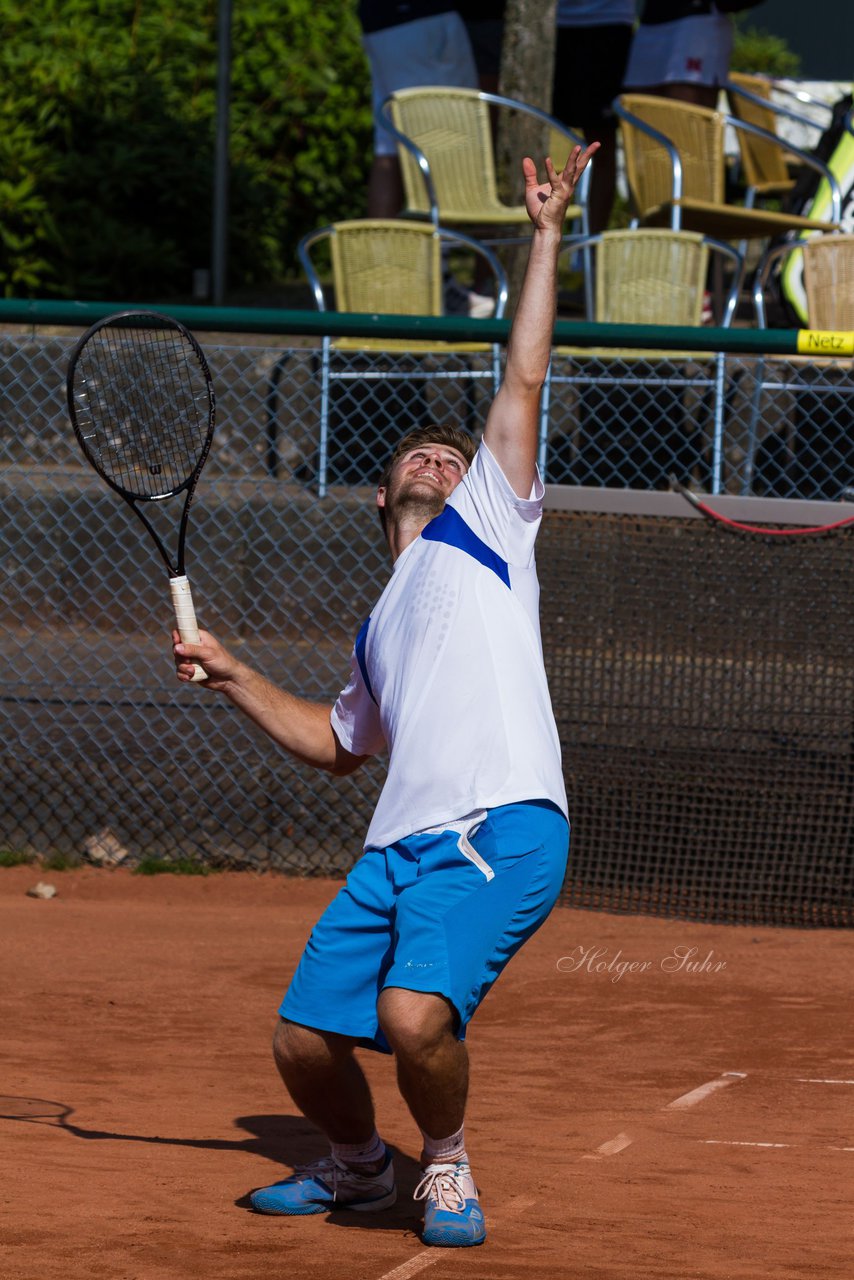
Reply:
x=450, y=437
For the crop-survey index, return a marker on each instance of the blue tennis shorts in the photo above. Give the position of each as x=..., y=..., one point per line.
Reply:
x=441, y=912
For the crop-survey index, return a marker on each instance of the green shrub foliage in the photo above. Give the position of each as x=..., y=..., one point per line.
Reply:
x=107, y=140
x=757, y=51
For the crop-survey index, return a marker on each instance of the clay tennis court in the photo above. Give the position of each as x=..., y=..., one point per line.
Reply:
x=655, y=1120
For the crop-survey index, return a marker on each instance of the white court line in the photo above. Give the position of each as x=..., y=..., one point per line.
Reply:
x=518, y=1204
x=623, y=1140
x=420, y=1261
x=726, y=1142
x=412, y=1267
x=807, y=1080
x=610, y=1148
x=697, y=1095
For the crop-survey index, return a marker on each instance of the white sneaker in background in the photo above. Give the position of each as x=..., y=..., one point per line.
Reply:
x=460, y=301
x=480, y=307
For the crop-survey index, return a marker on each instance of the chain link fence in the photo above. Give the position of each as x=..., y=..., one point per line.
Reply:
x=766, y=426
x=103, y=756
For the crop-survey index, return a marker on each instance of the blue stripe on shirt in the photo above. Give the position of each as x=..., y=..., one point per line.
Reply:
x=451, y=528
x=361, y=657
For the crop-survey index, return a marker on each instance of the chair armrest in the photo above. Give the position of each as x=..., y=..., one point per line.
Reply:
x=304, y=253
x=664, y=141
x=551, y=122
x=808, y=99
x=774, y=107
x=804, y=156
x=761, y=278
x=737, y=259
x=384, y=118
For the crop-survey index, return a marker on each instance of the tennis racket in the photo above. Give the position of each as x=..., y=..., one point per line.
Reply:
x=142, y=405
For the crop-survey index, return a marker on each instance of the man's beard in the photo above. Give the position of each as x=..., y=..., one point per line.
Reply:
x=418, y=502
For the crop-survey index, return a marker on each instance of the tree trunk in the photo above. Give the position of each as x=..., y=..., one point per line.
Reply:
x=527, y=71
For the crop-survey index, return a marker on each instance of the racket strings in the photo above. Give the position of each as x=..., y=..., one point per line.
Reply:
x=143, y=407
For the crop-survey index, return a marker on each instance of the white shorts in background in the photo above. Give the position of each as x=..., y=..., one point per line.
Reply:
x=428, y=51
x=689, y=51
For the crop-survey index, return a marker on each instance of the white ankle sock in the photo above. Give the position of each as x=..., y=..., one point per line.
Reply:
x=445, y=1150
x=354, y=1153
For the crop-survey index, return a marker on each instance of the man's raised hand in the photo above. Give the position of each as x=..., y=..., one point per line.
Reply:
x=547, y=203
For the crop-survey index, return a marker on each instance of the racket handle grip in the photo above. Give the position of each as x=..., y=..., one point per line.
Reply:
x=185, y=616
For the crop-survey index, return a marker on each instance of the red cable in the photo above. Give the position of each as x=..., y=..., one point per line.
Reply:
x=760, y=529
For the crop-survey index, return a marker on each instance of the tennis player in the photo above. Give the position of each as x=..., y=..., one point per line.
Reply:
x=466, y=851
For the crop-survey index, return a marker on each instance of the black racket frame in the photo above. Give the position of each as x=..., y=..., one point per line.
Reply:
x=160, y=320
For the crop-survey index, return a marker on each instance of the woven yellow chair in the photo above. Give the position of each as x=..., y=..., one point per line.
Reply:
x=647, y=276
x=445, y=144
x=829, y=280
x=390, y=267
x=828, y=272
x=766, y=166
x=810, y=456
x=769, y=169
x=676, y=171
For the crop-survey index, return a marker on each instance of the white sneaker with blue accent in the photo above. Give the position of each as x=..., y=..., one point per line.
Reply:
x=325, y=1185
x=453, y=1217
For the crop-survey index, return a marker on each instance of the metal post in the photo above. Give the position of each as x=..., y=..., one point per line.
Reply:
x=219, y=243
x=718, y=437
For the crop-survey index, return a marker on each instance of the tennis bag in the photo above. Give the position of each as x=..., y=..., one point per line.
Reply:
x=814, y=456
x=786, y=299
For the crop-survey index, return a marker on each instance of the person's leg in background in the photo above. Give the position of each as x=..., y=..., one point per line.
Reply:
x=485, y=26
x=433, y=50
x=589, y=66
x=699, y=95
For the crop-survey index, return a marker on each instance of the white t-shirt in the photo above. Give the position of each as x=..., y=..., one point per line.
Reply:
x=448, y=673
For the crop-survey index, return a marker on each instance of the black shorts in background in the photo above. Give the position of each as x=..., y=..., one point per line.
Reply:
x=590, y=63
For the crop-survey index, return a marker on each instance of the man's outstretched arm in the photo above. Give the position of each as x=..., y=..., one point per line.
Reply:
x=303, y=728
x=511, y=431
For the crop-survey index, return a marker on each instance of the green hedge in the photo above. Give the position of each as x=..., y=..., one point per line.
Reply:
x=107, y=115
x=107, y=134
x=758, y=51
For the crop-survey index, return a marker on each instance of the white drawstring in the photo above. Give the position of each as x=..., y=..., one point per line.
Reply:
x=443, y=1181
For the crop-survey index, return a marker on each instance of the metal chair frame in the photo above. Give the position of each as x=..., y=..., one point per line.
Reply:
x=753, y=224
x=330, y=345
x=491, y=99
x=839, y=318
x=437, y=214
x=716, y=383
